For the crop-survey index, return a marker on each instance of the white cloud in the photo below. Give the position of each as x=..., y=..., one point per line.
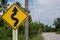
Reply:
x=46, y=10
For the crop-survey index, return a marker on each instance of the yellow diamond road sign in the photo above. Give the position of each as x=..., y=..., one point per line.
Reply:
x=14, y=16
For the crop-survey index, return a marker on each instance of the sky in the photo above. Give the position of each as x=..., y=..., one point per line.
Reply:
x=44, y=11
x=13, y=1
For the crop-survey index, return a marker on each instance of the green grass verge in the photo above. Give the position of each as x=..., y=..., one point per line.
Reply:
x=21, y=37
x=39, y=37
x=57, y=32
x=6, y=38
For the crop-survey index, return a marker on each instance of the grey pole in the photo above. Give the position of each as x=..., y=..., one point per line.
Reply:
x=26, y=22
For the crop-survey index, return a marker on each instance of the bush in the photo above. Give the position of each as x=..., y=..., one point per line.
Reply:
x=21, y=37
x=58, y=31
x=39, y=37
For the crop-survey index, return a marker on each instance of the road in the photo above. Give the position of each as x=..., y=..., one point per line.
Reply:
x=51, y=36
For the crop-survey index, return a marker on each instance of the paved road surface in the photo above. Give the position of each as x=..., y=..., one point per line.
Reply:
x=51, y=36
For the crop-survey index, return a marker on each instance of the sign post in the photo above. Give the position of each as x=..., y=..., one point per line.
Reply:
x=14, y=17
x=15, y=34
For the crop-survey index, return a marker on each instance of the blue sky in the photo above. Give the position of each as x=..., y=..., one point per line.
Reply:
x=42, y=10
x=12, y=1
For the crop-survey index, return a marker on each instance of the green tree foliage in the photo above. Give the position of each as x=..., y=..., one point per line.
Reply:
x=30, y=18
x=4, y=2
x=35, y=28
x=57, y=24
x=0, y=8
x=18, y=3
x=1, y=22
x=5, y=31
x=47, y=28
x=3, y=5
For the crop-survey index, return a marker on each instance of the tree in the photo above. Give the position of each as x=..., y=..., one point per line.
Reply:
x=5, y=30
x=1, y=22
x=3, y=5
x=30, y=18
x=35, y=28
x=4, y=2
x=18, y=3
x=57, y=23
x=0, y=8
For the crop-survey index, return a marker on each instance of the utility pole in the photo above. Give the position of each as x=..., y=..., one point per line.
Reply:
x=26, y=22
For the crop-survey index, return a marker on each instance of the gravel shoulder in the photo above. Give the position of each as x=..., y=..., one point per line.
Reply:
x=51, y=36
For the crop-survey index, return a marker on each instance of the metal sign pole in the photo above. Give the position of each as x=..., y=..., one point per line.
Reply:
x=15, y=34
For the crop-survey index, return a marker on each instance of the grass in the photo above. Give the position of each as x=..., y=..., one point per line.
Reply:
x=6, y=38
x=21, y=37
x=39, y=37
x=57, y=32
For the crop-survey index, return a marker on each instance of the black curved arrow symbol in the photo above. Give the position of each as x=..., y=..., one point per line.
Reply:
x=12, y=16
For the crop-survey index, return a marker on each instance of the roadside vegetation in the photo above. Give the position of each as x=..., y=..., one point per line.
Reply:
x=39, y=37
x=57, y=25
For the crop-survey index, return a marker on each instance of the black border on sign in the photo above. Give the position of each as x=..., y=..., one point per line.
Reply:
x=21, y=22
